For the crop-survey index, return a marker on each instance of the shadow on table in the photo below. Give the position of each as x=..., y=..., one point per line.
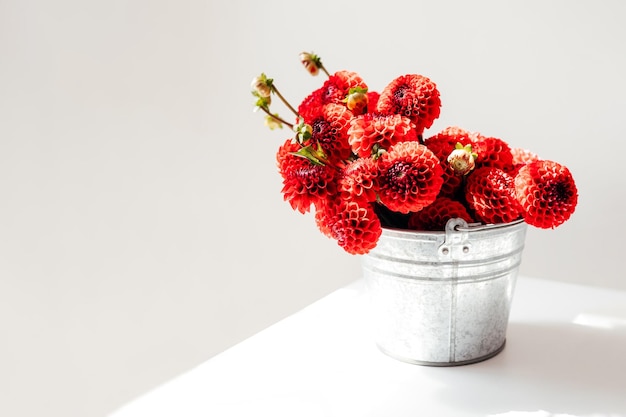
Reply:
x=560, y=368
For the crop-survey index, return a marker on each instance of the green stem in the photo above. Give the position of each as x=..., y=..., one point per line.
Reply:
x=324, y=69
x=279, y=119
x=284, y=101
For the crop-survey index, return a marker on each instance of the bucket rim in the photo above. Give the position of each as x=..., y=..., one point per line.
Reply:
x=470, y=228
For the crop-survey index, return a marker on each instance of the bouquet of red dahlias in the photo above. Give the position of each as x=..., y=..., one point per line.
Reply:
x=359, y=158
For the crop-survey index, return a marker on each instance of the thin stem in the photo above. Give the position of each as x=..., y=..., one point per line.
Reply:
x=324, y=69
x=284, y=101
x=277, y=118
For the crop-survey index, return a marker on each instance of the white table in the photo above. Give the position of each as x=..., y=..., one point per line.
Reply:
x=565, y=355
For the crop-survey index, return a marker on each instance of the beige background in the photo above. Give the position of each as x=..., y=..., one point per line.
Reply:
x=141, y=226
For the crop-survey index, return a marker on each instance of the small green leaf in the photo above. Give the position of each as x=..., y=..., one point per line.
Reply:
x=354, y=90
x=317, y=157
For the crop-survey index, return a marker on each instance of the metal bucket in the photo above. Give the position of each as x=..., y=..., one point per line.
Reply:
x=443, y=298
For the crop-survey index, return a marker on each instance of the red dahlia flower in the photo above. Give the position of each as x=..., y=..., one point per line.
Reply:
x=372, y=101
x=442, y=145
x=304, y=183
x=521, y=157
x=547, y=193
x=456, y=131
x=410, y=177
x=448, y=136
x=359, y=180
x=490, y=192
x=345, y=80
x=310, y=106
x=435, y=216
x=334, y=90
x=383, y=131
x=330, y=124
x=493, y=152
x=355, y=226
x=413, y=96
x=359, y=158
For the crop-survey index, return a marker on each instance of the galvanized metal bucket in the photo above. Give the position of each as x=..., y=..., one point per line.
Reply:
x=443, y=298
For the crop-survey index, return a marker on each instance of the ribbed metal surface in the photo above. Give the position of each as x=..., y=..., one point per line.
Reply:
x=443, y=298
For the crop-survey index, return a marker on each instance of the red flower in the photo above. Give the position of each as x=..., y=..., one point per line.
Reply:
x=334, y=90
x=372, y=129
x=547, y=193
x=413, y=96
x=345, y=80
x=359, y=180
x=490, y=192
x=448, y=136
x=360, y=158
x=330, y=124
x=285, y=157
x=372, y=101
x=410, y=177
x=436, y=215
x=442, y=145
x=456, y=131
x=324, y=218
x=493, y=152
x=355, y=226
x=304, y=183
x=521, y=157
x=309, y=107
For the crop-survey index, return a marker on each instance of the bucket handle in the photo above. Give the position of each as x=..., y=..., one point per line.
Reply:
x=463, y=226
x=457, y=243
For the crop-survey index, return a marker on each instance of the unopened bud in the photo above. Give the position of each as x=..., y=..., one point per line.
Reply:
x=462, y=159
x=273, y=123
x=262, y=86
x=357, y=101
x=303, y=131
x=311, y=62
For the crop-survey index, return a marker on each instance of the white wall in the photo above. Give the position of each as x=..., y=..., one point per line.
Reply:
x=141, y=228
